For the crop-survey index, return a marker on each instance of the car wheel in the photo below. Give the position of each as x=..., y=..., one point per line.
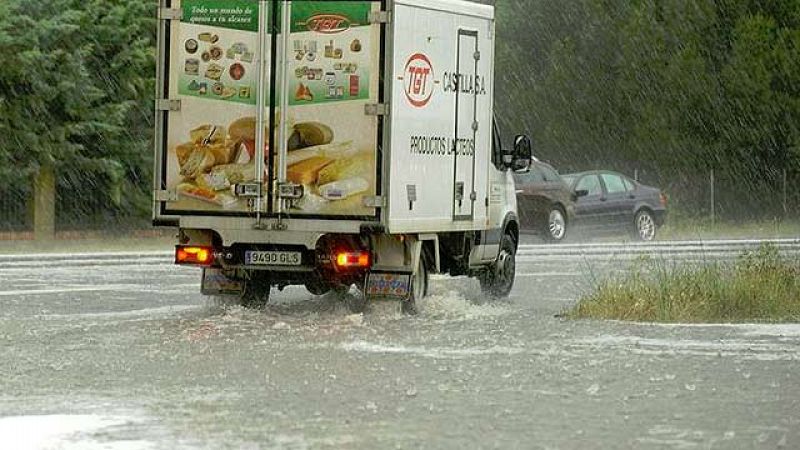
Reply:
x=498, y=280
x=644, y=226
x=555, y=227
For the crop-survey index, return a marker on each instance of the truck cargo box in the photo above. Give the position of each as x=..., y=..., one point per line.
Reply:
x=371, y=113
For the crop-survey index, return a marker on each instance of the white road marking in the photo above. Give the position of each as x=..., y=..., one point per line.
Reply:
x=106, y=288
x=131, y=314
x=759, y=350
x=61, y=431
x=437, y=353
x=747, y=329
x=546, y=274
x=118, y=287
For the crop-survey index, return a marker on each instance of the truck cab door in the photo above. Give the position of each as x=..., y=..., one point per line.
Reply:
x=466, y=127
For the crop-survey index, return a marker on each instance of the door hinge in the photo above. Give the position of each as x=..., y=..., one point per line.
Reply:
x=380, y=17
x=166, y=196
x=374, y=202
x=475, y=126
x=376, y=109
x=165, y=104
x=170, y=14
x=477, y=55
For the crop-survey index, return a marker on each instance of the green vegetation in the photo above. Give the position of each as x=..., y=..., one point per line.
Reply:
x=759, y=287
x=76, y=90
x=669, y=89
x=705, y=229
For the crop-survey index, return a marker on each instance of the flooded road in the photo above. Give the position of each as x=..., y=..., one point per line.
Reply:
x=118, y=356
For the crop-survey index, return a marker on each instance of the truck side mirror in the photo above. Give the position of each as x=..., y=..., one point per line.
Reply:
x=523, y=154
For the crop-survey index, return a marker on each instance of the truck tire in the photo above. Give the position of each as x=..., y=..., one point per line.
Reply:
x=256, y=292
x=419, y=288
x=498, y=280
x=318, y=288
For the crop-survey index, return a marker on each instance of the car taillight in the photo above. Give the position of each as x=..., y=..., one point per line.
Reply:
x=663, y=200
x=352, y=260
x=194, y=255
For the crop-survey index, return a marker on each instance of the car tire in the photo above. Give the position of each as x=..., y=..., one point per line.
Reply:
x=555, y=225
x=644, y=226
x=498, y=280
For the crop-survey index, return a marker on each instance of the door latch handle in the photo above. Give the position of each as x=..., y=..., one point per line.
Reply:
x=460, y=193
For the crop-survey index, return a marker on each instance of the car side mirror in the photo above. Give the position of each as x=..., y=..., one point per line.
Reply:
x=523, y=154
x=581, y=193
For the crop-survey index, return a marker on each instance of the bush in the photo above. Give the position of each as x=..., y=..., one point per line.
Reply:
x=759, y=287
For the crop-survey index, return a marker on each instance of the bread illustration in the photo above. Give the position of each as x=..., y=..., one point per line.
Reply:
x=307, y=172
x=310, y=134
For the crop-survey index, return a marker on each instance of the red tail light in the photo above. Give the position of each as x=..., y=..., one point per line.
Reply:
x=353, y=260
x=663, y=200
x=194, y=255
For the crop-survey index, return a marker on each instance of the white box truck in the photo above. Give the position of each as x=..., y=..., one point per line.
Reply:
x=358, y=147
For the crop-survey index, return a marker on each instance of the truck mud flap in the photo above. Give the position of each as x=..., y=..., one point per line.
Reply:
x=215, y=282
x=384, y=285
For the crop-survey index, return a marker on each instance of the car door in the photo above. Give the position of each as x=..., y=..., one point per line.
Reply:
x=633, y=199
x=590, y=208
x=618, y=204
x=553, y=184
x=529, y=187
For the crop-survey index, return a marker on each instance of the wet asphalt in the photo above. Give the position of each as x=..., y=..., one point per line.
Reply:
x=131, y=356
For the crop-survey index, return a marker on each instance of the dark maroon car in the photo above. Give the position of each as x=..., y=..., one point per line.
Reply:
x=544, y=202
x=611, y=202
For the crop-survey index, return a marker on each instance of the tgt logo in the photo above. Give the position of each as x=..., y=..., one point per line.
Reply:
x=328, y=23
x=419, y=80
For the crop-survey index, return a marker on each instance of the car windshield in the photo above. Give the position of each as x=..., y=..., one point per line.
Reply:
x=569, y=179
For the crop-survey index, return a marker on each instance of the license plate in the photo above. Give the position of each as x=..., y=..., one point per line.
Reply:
x=272, y=258
x=388, y=285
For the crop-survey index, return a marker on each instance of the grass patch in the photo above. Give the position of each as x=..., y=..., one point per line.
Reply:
x=681, y=228
x=759, y=286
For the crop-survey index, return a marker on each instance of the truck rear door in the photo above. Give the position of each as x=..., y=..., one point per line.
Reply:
x=227, y=72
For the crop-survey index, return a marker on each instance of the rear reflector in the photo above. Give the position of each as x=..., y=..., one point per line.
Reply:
x=194, y=255
x=663, y=200
x=351, y=260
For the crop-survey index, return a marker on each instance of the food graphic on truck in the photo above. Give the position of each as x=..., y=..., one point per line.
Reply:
x=357, y=147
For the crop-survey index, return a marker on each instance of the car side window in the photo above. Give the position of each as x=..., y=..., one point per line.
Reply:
x=629, y=185
x=590, y=183
x=532, y=176
x=536, y=175
x=614, y=183
x=550, y=175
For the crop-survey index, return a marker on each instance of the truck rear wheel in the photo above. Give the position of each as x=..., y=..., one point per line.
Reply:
x=498, y=280
x=318, y=288
x=257, y=287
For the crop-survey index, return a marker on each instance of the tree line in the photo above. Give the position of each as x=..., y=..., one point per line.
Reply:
x=670, y=89
x=665, y=88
